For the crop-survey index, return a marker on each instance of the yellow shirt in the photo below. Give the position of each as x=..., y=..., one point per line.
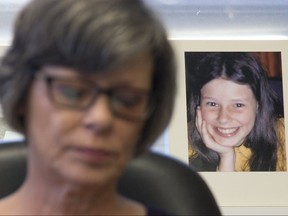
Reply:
x=243, y=153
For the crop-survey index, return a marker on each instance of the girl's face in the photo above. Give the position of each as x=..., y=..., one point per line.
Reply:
x=229, y=110
x=90, y=146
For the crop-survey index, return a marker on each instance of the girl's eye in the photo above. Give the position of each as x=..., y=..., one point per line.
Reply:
x=239, y=105
x=212, y=104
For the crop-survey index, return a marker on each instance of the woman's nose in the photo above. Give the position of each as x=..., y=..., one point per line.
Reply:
x=224, y=115
x=99, y=115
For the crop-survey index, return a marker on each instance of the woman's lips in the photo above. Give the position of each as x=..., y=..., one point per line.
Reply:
x=93, y=156
x=227, y=132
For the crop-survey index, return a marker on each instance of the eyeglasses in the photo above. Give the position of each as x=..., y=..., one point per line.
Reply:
x=80, y=94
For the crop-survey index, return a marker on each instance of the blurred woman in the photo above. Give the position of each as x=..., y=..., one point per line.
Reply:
x=90, y=84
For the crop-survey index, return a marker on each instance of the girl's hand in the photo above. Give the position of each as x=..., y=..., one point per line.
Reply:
x=226, y=153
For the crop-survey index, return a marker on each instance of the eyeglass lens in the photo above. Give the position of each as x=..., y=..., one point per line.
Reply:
x=80, y=94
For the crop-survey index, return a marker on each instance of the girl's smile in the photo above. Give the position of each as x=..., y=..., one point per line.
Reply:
x=227, y=132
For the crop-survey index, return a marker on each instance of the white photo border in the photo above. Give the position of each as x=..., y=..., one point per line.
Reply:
x=231, y=189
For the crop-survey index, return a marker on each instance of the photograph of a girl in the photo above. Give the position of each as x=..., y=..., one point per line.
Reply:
x=235, y=115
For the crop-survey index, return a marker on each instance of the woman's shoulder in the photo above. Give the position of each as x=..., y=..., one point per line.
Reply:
x=7, y=206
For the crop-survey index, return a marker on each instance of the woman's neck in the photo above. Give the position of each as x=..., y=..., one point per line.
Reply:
x=65, y=198
x=30, y=199
x=47, y=192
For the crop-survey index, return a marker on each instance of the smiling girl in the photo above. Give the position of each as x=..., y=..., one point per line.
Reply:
x=233, y=124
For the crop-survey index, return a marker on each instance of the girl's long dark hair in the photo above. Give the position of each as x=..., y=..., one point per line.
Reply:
x=242, y=68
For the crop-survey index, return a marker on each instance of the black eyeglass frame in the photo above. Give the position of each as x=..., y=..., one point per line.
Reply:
x=49, y=79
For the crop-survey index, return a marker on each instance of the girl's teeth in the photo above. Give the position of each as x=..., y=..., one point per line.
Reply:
x=227, y=131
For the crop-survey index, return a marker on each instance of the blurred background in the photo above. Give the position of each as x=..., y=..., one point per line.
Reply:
x=186, y=19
